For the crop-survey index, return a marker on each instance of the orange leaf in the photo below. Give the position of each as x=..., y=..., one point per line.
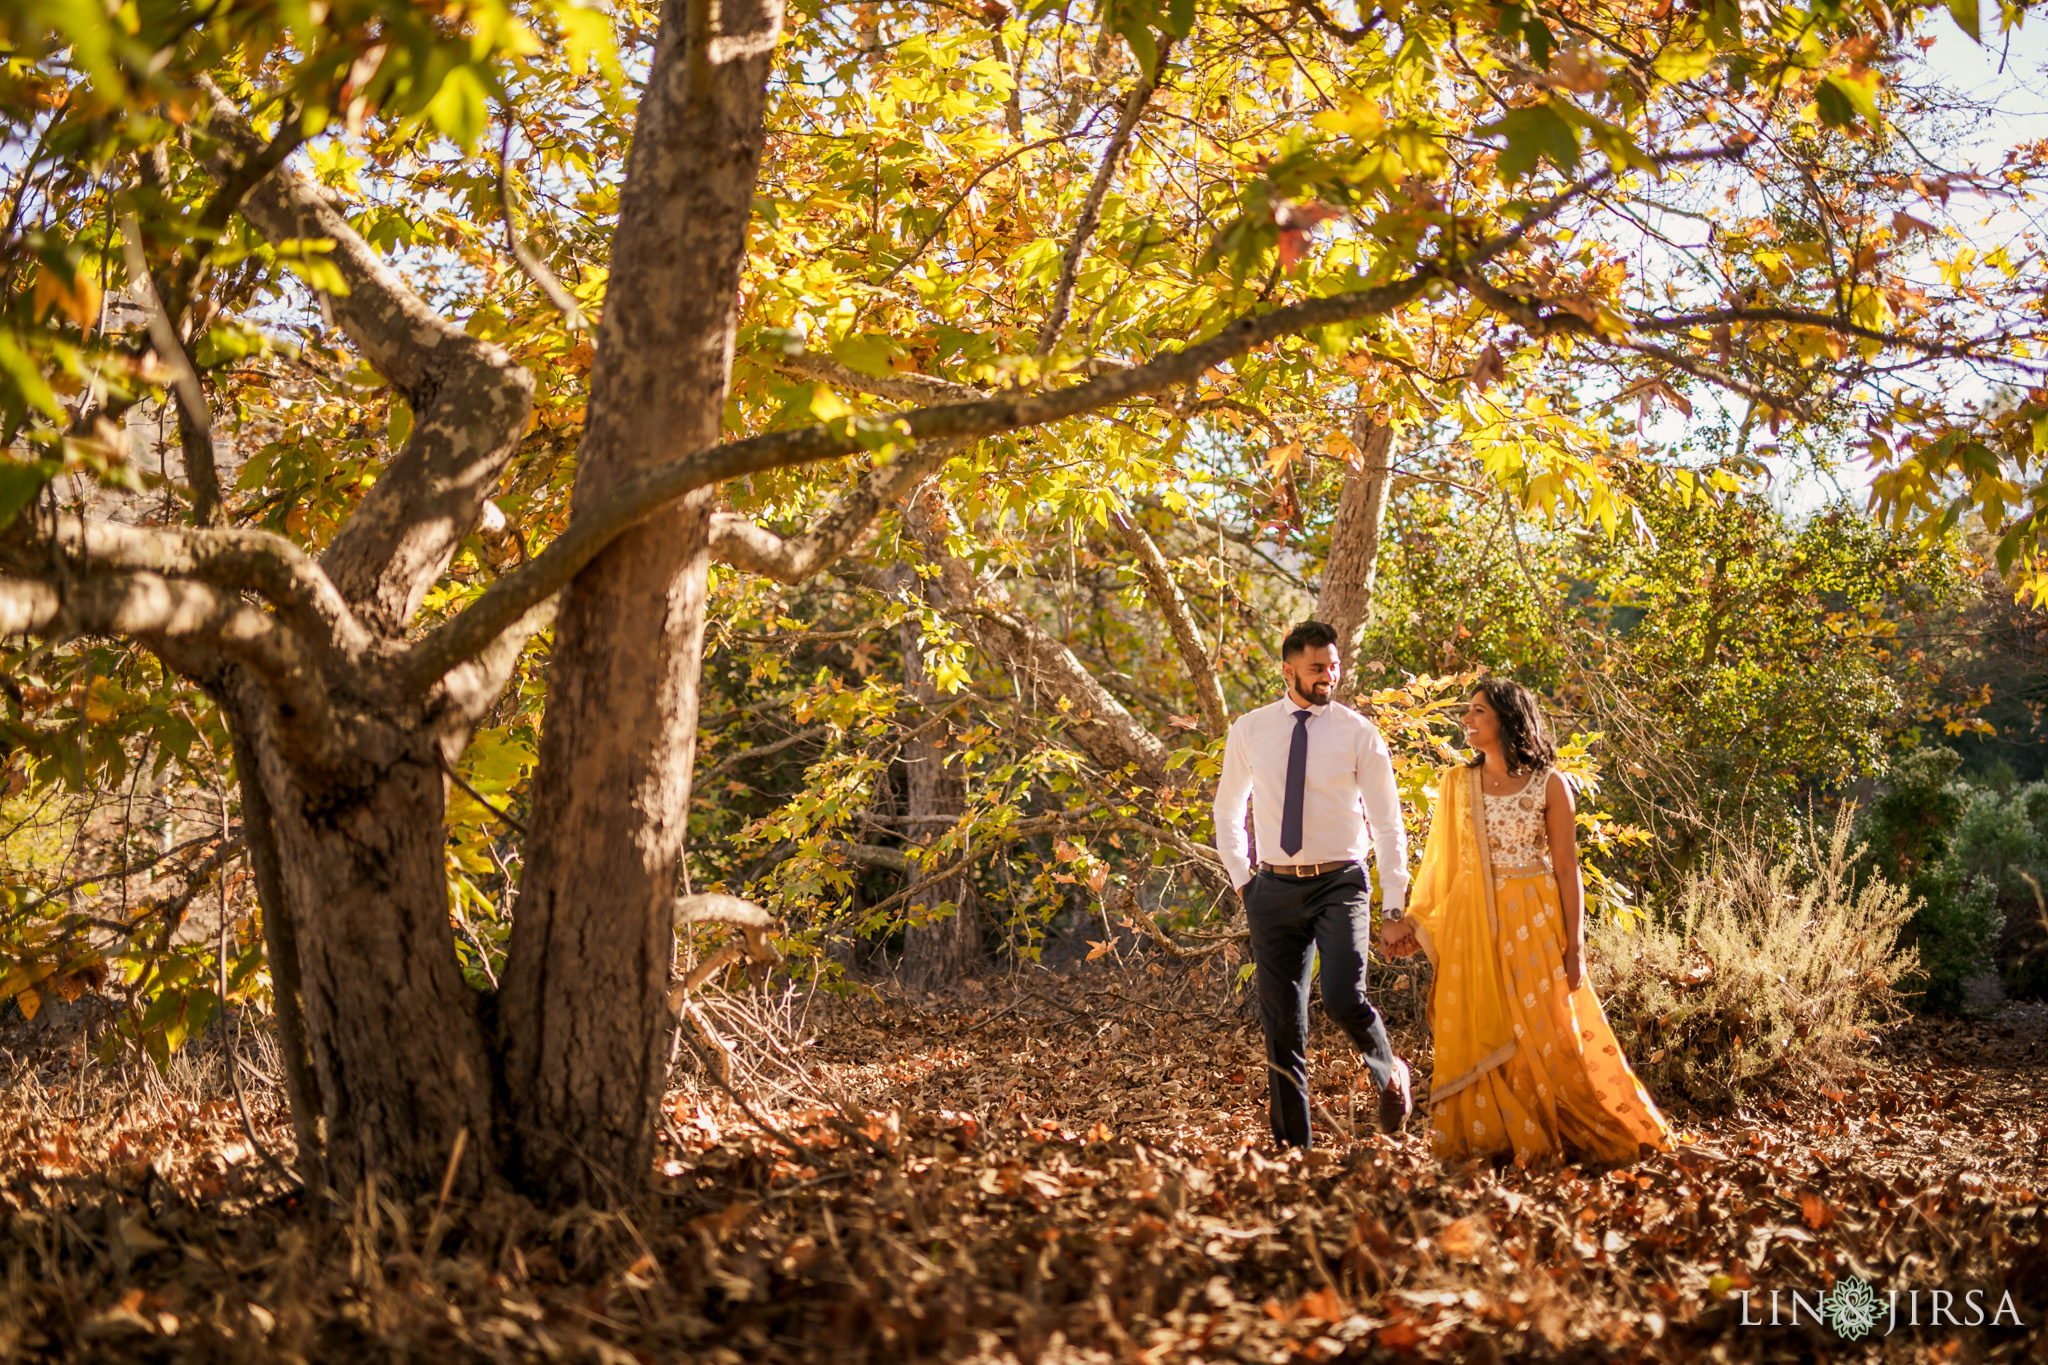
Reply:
x=1818, y=1214
x=1280, y=456
x=1400, y=1336
x=1323, y=1305
x=1464, y=1239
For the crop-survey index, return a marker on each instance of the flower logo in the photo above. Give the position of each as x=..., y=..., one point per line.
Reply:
x=1852, y=1309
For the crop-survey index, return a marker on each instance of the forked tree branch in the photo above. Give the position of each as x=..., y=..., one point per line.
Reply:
x=472, y=687
x=469, y=398
x=229, y=191
x=254, y=561
x=757, y=550
x=641, y=494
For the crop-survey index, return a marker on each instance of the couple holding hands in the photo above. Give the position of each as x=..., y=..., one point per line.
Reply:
x=1526, y=1065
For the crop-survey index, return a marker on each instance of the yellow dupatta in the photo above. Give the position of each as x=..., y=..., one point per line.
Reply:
x=1452, y=907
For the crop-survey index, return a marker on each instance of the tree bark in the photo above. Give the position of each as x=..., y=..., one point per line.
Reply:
x=582, y=996
x=280, y=947
x=1345, y=600
x=940, y=951
x=400, y=1059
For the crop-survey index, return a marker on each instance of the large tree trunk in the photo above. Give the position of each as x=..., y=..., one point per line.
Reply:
x=940, y=951
x=593, y=938
x=401, y=1063
x=1345, y=600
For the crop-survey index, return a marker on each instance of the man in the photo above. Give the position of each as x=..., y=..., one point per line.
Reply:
x=1321, y=788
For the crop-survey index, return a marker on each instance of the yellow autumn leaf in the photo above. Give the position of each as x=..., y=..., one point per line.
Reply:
x=828, y=406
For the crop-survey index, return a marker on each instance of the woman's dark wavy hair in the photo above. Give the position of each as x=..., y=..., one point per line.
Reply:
x=1524, y=733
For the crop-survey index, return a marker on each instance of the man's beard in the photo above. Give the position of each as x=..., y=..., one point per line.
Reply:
x=1319, y=693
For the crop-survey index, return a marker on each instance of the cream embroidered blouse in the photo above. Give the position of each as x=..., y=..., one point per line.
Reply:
x=1516, y=832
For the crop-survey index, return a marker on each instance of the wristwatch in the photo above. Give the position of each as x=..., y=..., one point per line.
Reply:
x=1393, y=914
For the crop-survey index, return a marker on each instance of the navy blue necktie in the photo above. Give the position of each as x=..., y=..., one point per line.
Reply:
x=1297, y=784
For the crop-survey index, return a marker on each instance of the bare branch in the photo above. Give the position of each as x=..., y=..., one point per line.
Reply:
x=1187, y=637
x=1323, y=21
x=1098, y=190
x=1831, y=322
x=713, y=907
x=760, y=751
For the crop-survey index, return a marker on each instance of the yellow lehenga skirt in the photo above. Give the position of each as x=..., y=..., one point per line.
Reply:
x=1524, y=1065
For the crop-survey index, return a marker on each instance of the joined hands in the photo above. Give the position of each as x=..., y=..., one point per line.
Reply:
x=1397, y=938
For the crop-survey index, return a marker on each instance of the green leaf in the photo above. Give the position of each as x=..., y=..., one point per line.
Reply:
x=20, y=482
x=1686, y=58
x=1842, y=101
x=1537, y=35
x=868, y=353
x=27, y=381
x=461, y=109
x=323, y=274
x=1964, y=12
x=1142, y=46
x=1537, y=132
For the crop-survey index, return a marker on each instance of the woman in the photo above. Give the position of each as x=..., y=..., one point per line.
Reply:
x=1525, y=1061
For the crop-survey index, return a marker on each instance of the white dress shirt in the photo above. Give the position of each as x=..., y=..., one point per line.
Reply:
x=1349, y=800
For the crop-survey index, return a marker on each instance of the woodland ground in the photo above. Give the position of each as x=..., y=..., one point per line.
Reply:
x=1048, y=1166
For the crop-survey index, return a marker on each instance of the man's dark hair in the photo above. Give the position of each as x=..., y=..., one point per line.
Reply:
x=1307, y=635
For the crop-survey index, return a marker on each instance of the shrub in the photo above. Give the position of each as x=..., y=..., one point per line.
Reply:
x=1761, y=971
x=1946, y=844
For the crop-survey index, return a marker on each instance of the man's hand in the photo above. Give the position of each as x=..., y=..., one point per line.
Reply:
x=1397, y=938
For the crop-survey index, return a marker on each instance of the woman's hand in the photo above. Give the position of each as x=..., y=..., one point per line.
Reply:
x=1575, y=966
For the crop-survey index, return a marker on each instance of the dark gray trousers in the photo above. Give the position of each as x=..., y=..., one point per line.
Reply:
x=1294, y=922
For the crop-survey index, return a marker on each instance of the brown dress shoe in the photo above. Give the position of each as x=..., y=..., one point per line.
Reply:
x=1397, y=1102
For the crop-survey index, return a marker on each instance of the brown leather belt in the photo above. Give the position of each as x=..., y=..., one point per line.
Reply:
x=1298, y=871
